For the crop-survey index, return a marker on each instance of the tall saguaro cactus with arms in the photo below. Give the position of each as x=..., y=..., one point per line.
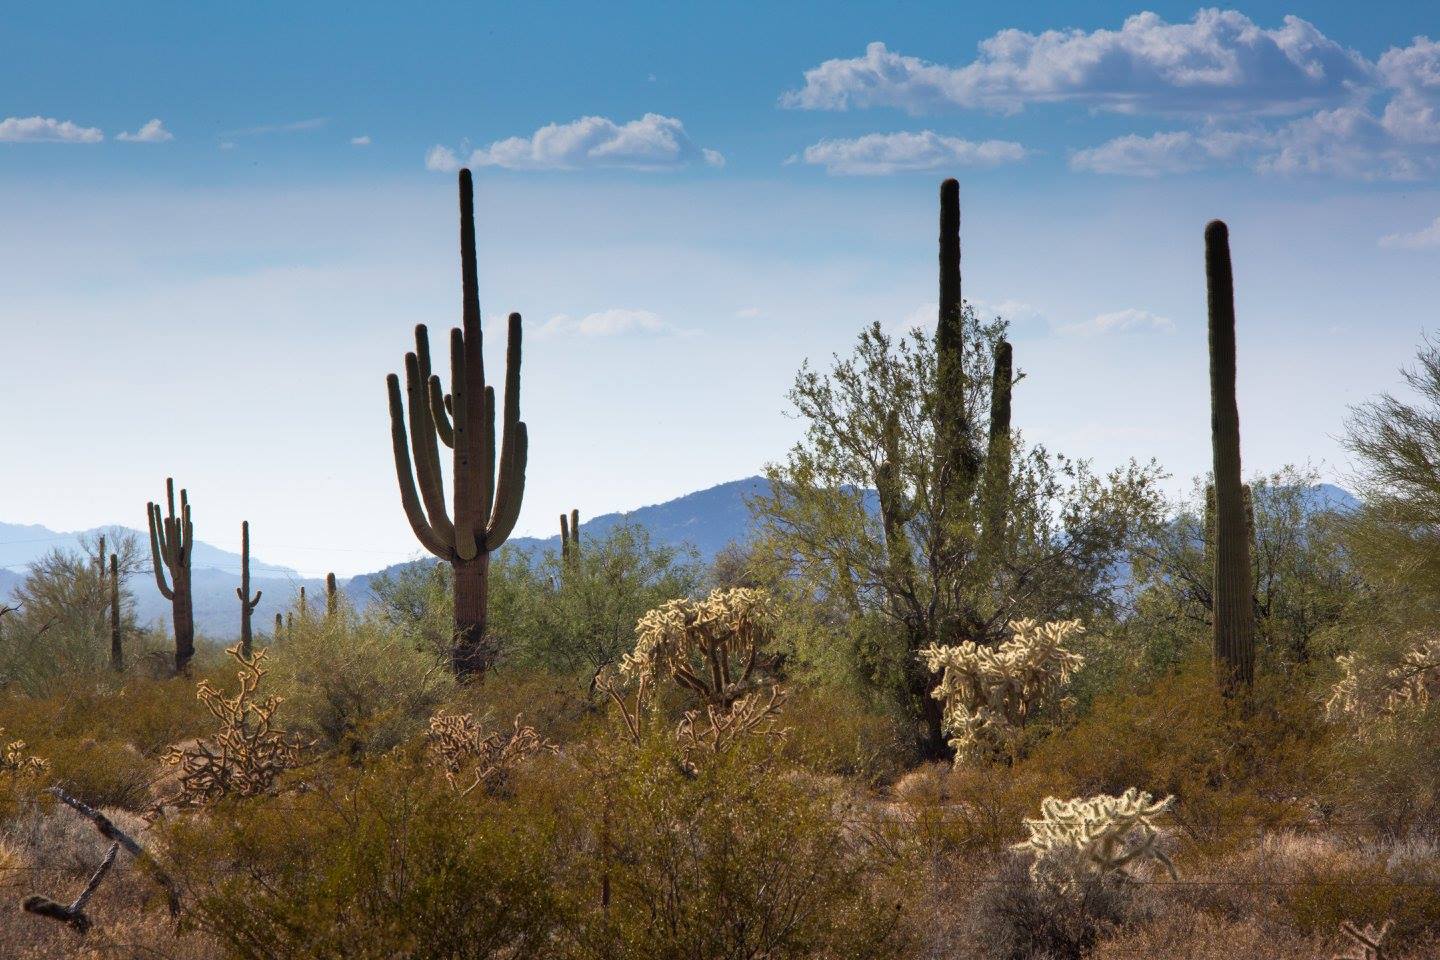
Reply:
x=1234, y=615
x=172, y=536
x=487, y=493
x=247, y=602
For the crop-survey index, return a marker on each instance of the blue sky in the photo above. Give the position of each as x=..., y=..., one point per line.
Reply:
x=219, y=228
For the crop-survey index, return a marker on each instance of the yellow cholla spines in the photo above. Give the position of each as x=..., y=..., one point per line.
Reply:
x=1102, y=834
x=989, y=692
x=1367, y=689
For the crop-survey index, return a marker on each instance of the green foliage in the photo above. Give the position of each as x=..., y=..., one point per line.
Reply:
x=355, y=683
x=1304, y=584
x=736, y=859
x=59, y=630
x=1235, y=768
x=372, y=863
x=925, y=565
x=579, y=612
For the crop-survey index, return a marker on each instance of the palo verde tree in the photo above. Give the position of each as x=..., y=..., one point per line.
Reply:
x=172, y=537
x=1234, y=613
x=487, y=493
x=912, y=503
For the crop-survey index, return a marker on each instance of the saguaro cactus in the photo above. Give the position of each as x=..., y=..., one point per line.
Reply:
x=332, y=597
x=570, y=535
x=247, y=603
x=117, y=654
x=171, y=538
x=1234, y=614
x=957, y=459
x=486, y=499
x=279, y=626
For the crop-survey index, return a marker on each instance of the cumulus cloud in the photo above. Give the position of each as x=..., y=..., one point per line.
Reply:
x=1419, y=240
x=653, y=142
x=1179, y=151
x=883, y=153
x=360, y=141
x=1118, y=322
x=1397, y=141
x=1219, y=60
x=605, y=323
x=46, y=130
x=152, y=132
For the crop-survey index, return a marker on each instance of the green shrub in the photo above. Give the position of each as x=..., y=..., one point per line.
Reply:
x=371, y=864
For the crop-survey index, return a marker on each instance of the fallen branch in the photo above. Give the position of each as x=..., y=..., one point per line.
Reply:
x=74, y=914
x=110, y=832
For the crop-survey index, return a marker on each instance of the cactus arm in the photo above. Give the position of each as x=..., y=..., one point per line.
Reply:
x=511, y=489
x=187, y=533
x=409, y=499
x=487, y=465
x=437, y=410
x=152, y=512
x=427, y=452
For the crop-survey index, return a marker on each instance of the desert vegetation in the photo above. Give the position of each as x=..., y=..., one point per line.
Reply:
x=959, y=696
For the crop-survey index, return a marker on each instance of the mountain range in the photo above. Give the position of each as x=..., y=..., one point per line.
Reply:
x=705, y=520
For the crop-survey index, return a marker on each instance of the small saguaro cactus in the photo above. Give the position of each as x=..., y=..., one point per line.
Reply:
x=279, y=626
x=1234, y=614
x=117, y=654
x=570, y=535
x=247, y=603
x=487, y=492
x=172, y=536
x=332, y=597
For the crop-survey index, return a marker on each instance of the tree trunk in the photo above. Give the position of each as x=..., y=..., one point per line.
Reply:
x=472, y=654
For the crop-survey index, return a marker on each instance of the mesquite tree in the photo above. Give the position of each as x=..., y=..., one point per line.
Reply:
x=1234, y=620
x=172, y=536
x=487, y=493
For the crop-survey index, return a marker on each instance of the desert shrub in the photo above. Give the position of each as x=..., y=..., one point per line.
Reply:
x=1390, y=780
x=357, y=685
x=561, y=707
x=734, y=858
x=836, y=730
x=1015, y=917
x=471, y=756
x=1235, y=767
x=990, y=692
x=1371, y=690
x=372, y=863
x=103, y=773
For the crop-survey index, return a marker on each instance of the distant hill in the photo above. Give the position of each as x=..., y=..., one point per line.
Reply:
x=706, y=520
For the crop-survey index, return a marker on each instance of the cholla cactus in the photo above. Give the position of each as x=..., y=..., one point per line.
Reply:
x=460, y=746
x=711, y=648
x=14, y=762
x=1100, y=835
x=246, y=755
x=989, y=692
x=1368, y=689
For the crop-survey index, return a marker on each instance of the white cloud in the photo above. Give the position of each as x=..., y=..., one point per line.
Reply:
x=653, y=142
x=1219, y=60
x=46, y=130
x=605, y=323
x=1118, y=322
x=1396, y=143
x=442, y=159
x=360, y=141
x=295, y=126
x=152, y=132
x=882, y=153
x=1419, y=240
x=1179, y=151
